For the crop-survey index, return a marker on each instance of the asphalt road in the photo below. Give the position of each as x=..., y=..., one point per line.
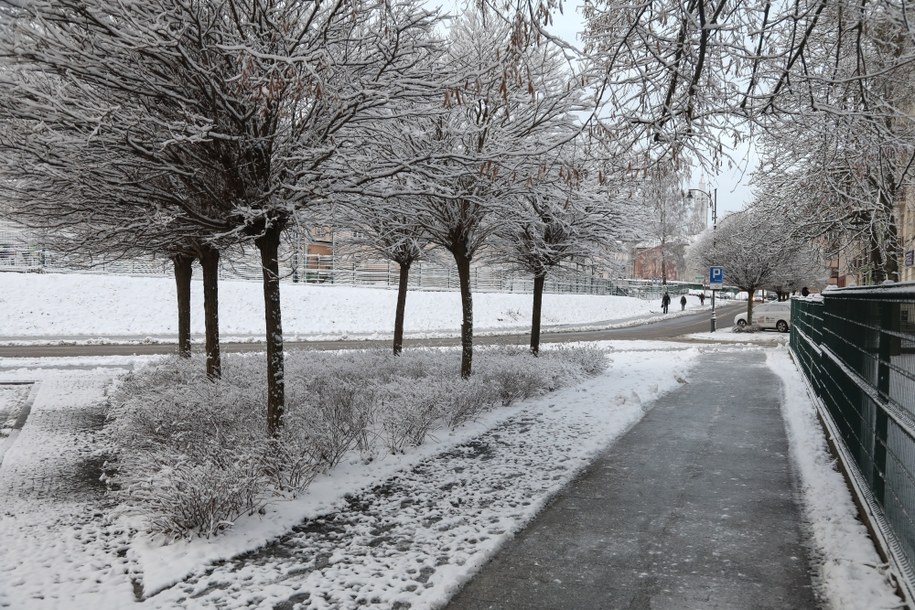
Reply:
x=664, y=329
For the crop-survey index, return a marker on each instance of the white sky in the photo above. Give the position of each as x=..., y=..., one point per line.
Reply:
x=732, y=182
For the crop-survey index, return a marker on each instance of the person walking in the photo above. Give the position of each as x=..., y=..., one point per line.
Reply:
x=665, y=302
x=683, y=302
x=702, y=298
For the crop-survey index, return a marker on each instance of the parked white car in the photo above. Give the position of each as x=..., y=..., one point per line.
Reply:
x=768, y=315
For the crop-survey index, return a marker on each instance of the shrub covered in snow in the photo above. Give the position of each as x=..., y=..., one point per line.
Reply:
x=189, y=459
x=193, y=454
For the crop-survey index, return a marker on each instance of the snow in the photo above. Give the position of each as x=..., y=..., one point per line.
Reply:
x=477, y=504
x=61, y=550
x=42, y=306
x=851, y=570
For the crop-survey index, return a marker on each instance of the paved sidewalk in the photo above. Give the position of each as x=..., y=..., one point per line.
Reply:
x=693, y=508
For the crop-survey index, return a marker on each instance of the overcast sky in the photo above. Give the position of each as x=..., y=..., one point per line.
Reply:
x=732, y=183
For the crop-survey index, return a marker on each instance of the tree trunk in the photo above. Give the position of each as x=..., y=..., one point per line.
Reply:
x=892, y=252
x=877, y=259
x=750, y=292
x=268, y=244
x=663, y=264
x=463, y=268
x=535, y=316
x=209, y=261
x=401, y=307
x=183, y=265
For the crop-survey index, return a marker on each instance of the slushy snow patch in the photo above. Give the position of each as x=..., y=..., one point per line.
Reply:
x=849, y=572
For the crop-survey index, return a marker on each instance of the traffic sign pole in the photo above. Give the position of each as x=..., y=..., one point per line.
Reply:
x=713, y=321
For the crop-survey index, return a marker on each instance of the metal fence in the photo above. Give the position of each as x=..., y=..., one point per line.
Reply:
x=20, y=253
x=483, y=278
x=857, y=348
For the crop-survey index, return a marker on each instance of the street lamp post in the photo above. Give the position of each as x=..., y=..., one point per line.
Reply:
x=713, y=203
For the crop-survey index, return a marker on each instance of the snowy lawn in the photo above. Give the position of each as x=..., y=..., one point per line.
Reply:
x=87, y=307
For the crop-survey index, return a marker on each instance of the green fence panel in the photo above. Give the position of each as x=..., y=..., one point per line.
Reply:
x=856, y=346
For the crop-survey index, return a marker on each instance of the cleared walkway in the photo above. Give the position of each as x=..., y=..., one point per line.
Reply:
x=693, y=508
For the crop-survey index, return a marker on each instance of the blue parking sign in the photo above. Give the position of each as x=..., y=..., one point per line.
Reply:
x=716, y=276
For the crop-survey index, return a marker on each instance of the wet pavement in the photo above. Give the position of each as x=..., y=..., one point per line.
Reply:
x=694, y=508
x=672, y=327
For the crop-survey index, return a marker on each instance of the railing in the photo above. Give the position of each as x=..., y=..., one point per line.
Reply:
x=857, y=349
x=23, y=256
x=442, y=277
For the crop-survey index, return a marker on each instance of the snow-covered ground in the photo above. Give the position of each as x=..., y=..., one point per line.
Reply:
x=87, y=307
x=60, y=550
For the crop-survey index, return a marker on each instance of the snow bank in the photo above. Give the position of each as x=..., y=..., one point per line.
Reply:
x=849, y=571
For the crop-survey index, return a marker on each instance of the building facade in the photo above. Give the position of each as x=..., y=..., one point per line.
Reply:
x=906, y=219
x=648, y=264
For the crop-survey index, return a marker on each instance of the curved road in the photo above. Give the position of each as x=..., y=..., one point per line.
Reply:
x=662, y=329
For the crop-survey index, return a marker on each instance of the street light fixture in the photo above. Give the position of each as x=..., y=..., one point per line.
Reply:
x=713, y=203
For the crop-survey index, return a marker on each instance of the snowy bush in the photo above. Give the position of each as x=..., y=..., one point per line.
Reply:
x=194, y=454
x=291, y=461
x=180, y=496
x=511, y=375
x=584, y=361
x=518, y=376
x=190, y=459
x=466, y=399
x=330, y=416
x=407, y=413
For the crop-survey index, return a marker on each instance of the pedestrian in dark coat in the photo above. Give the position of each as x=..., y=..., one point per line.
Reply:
x=702, y=298
x=683, y=302
x=665, y=302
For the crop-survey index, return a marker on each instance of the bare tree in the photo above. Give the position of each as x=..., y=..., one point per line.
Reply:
x=664, y=211
x=93, y=198
x=678, y=78
x=267, y=96
x=563, y=216
x=89, y=204
x=803, y=268
x=840, y=151
x=752, y=249
x=668, y=75
x=388, y=228
x=502, y=109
